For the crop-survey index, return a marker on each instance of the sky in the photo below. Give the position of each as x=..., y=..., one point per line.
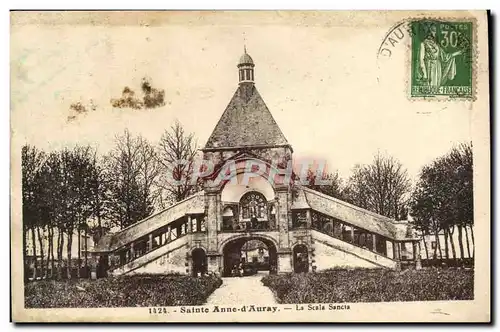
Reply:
x=331, y=95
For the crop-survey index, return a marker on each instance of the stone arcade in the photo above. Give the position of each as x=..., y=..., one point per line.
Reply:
x=304, y=230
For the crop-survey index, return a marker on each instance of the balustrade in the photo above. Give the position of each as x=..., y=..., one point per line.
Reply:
x=155, y=240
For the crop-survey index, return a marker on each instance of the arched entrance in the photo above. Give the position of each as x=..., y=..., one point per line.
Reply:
x=300, y=258
x=251, y=255
x=199, y=259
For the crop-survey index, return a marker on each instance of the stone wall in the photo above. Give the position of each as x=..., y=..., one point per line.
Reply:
x=330, y=252
x=170, y=258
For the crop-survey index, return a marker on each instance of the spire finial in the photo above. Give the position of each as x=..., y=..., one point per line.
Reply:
x=244, y=43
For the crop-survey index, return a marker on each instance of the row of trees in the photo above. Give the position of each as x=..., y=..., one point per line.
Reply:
x=443, y=201
x=75, y=190
x=440, y=202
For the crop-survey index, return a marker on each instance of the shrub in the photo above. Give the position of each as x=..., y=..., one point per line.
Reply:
x=123, y=291
x=373, y=285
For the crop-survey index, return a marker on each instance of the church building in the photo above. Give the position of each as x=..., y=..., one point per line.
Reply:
x=303, y=230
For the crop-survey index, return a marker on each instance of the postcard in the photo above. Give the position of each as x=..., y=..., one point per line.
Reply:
x=250, y=166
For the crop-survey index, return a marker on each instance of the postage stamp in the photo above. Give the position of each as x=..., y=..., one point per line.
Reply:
x=441, y=59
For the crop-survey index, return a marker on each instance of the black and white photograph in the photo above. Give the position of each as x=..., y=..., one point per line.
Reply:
x=248, y=166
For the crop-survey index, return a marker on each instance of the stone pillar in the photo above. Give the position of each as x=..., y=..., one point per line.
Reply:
x=132, y=252
x=150, y=242
x=189, y=225
x=212, y=219
x=282, y=218
x=308, y=218
x=374, y=242
x=219, y=212
x=212, y=202
x=352, y=235
x=285, y=262
x=396, y=247
x=416, y=256
x=214, y=264
x=93, y=266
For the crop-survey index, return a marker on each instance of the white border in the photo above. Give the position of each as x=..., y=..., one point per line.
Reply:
x=185, y=4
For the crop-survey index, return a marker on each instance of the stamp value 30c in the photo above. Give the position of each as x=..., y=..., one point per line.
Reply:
x=441, y=59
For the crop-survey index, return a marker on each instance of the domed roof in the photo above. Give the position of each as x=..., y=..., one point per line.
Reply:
x=246, y=59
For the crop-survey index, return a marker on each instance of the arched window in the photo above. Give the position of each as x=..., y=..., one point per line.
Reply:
x=253, y=205
x=229, y=218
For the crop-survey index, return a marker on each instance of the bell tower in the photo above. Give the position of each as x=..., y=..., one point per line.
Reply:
x=247, y=131
x=246, y=68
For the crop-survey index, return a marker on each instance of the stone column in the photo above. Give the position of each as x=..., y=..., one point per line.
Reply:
x=211, y=219
x=150, y=242
x=132, y=252
x=190, y=226
x=396, y=247
x=416, y=256
x=212, y=197
x=374, y=236
x=219, y=212
x=93, y=266
x=284, y=262
x=282, y=217
x=214, y=264
x=308, y=218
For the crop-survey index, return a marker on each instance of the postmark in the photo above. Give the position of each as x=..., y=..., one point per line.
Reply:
x=441, y=59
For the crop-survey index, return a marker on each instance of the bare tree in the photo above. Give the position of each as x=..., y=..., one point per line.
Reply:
x=76, y=169
x=149, y=173
x=132, y=171
x=32, y=161
x=176, y=155
x=382, y=187
x=100, y=199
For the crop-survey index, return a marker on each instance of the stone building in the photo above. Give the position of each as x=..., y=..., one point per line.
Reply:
x=254, y=199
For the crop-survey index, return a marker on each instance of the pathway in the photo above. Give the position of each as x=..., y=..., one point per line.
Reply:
x=242, y=290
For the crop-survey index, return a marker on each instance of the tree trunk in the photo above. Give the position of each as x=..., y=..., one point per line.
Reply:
x=452, y=243
x=68, y=248
x=79, y=254
x=42, y=255
x=467, y=241
x=53, y=261
x=425, y=246
x=49, y=244
x=33, y=242
x=446, y=249
x=86, y=249
x=25, y=254
x=434, y=256
x=47, y=259
x=472, y=234
x=438, y=244
x=473, y=245
x=51, y=254
x=460, y=242
x=60, y=246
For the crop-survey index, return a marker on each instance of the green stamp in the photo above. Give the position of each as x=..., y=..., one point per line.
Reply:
x=441, y=59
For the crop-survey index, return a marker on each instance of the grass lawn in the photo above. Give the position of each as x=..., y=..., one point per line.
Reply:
x=373, y=285
x=122, y=291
